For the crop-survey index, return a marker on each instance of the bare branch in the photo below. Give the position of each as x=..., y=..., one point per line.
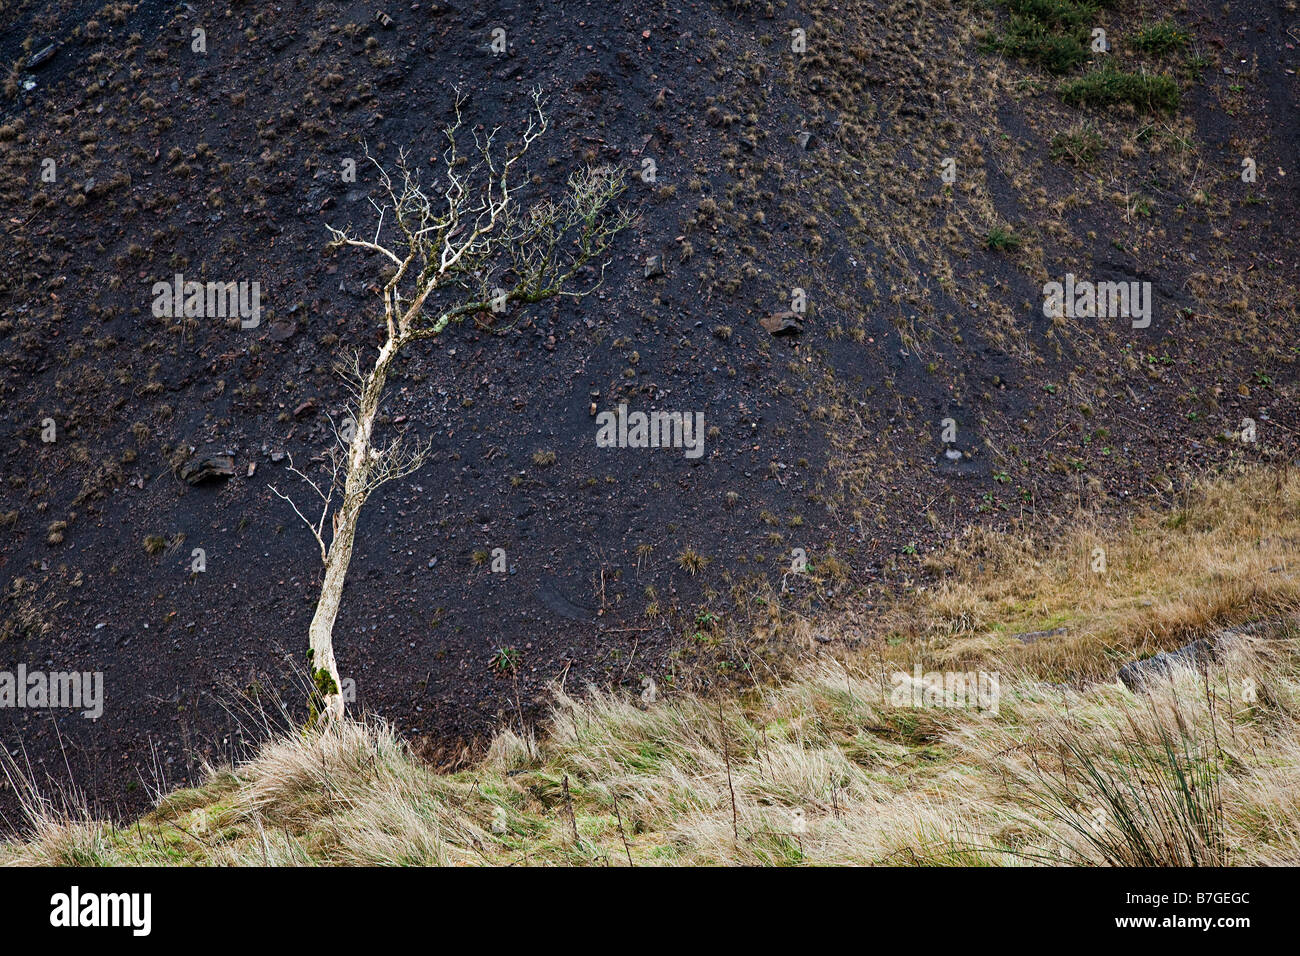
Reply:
x=318, y=528
x=395, y=461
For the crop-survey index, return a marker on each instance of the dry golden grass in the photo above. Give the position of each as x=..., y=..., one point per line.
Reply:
x=829, y=766
x=1228, y=554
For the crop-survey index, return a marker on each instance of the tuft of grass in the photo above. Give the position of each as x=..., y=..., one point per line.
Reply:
x=691, y=560
x=1028, y=42
x=802, y=772
x=1080, y=146
x=1002, y=239
x=1056, y=14
x=1159, y=38
x=23, y=614
x=1223, y=553
x=505, y=660
x=1146, y=93
x=1150, y=796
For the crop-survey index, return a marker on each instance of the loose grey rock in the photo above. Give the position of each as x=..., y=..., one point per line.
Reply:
x=198, y=470
x=41, y=57
x=783, y=323
x=282, y=330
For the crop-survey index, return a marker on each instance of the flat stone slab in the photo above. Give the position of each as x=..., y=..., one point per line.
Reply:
x=1138, y=675
x=209, y=468
x=1033, y=637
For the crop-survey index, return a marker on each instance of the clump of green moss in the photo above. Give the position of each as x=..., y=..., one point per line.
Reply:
x=323, y=686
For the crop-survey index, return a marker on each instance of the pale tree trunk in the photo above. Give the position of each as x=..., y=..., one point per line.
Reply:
x=324, y=669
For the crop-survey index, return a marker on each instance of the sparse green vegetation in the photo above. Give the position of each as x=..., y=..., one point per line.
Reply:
x=505, y=660
x=1080, y=146
x=1051, y=34
x=1159, y=38
x=1146, y=93
x=1002, y=239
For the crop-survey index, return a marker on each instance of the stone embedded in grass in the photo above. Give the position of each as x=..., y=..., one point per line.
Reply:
x=1137, y=675
x=1033, y=637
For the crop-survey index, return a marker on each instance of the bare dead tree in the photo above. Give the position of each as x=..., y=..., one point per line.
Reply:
x=461, y=247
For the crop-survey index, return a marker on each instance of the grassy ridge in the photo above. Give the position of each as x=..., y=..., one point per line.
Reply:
x=828, y=766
